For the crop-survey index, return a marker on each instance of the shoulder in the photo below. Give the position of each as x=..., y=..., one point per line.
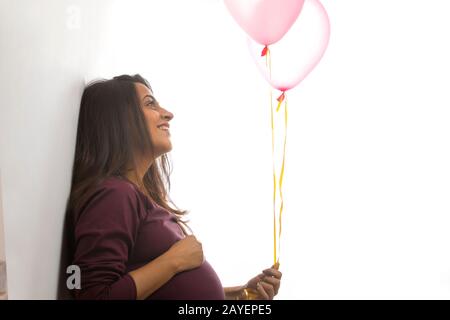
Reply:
x=114, y=194
x=118, y=185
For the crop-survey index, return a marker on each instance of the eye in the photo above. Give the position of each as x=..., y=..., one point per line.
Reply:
x=151, y=103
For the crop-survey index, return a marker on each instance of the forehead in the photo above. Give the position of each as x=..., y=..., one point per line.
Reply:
x=142, y=90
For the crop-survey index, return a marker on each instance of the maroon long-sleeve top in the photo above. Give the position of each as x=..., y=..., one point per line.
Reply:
x=119, y=230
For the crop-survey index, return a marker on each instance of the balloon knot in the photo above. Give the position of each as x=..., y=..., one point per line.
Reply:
x=280, y=99
x=264, y=51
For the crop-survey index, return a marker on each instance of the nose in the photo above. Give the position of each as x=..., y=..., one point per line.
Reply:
x=167, y=115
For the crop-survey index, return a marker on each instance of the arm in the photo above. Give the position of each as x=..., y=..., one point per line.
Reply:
x=263, y=286
x=184, y=255
x=154, y=275
x=234, y=293
x=104, y=235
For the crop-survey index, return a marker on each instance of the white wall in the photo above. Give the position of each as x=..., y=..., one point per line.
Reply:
x=47, y=48
x=2, y=232
x=3, y=283
x=366, y=188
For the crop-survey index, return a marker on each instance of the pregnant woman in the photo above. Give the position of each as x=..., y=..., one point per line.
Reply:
x=127, y=237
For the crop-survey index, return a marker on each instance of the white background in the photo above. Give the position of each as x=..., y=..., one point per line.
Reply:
x=367, y=175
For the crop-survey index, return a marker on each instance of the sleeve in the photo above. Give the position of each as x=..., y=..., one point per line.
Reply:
x=104, y=236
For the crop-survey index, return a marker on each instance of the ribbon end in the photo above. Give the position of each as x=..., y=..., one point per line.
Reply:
x=280, y=100
x=281, y=97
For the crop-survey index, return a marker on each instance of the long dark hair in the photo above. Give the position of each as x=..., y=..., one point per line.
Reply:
x=111, y=131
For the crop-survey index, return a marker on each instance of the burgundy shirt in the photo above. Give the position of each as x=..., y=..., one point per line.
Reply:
x=119, y=230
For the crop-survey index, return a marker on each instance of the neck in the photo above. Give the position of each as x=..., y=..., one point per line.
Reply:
x=137, y=173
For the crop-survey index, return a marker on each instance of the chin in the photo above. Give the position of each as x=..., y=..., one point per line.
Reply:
x=167, y=148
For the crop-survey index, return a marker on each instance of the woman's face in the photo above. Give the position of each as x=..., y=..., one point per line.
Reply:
x=157, y=119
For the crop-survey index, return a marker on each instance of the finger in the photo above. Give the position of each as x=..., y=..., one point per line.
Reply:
x=269, y=289
x=273, y=272
x=260, y=276
x=262, y=292
x=276, y=266
x=274, y=282
x=253, y=281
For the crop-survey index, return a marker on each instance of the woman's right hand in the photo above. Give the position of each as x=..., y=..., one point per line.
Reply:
x=187, y=253
x=184, y=255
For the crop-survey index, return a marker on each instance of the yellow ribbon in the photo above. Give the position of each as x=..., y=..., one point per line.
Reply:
x=251, y=294
x=276, y=258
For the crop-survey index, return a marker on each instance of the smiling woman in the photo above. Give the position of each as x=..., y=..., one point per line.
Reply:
x=122, y=224
x=128, y=238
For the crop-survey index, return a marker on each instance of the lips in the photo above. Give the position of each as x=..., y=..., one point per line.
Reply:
x=164, y=126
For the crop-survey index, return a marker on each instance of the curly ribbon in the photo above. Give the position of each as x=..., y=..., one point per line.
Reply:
x=280, y=183
x=282, y=98
x=252, y=294
x=269, y=65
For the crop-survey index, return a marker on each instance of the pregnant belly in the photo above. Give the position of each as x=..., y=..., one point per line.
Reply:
x=201, y=283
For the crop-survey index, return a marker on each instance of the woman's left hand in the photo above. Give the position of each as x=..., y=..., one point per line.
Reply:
x=266, y=284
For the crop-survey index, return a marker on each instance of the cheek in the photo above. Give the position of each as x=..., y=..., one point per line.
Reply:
x=151, y=121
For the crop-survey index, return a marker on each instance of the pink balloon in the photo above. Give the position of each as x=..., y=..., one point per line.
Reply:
x=300, y=50
x=265, y=21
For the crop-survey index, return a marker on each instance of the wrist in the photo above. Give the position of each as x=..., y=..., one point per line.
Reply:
x=236, y=293
x=174, y=263
x=244, y=294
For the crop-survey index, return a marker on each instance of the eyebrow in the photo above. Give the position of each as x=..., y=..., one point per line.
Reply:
x=148, y=96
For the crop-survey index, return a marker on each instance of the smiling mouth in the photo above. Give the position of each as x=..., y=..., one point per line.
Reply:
x=164, y=128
